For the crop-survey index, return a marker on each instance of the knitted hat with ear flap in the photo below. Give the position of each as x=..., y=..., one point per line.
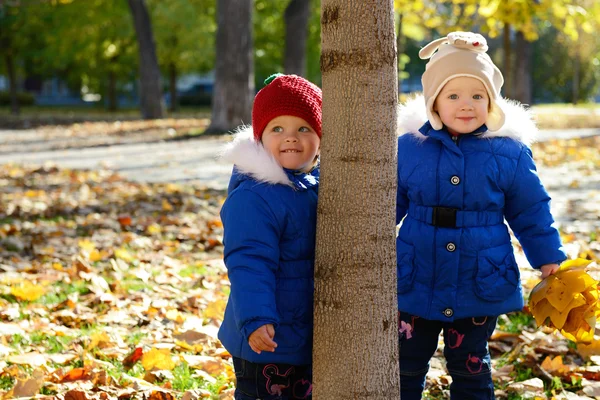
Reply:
x=461, y=54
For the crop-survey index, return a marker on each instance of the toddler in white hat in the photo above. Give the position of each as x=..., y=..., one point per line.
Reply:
x=464, y=171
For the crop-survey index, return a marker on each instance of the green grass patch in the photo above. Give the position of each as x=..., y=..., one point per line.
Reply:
x=193, y=271
x=135, y=285
x=52, y=343
x=183, y=379
x=516, y=322
x=6, y=382
x=62, y=291
x=134, y=338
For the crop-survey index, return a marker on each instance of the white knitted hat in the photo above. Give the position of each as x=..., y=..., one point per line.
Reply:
x=460, y=54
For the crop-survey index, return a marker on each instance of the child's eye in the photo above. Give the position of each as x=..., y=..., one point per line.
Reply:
x=478, y=97
x=304, y=129
x=277, y=129
x=453, y=97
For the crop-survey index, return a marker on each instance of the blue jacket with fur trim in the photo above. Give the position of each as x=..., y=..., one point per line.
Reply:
x=269, y=221
x=454, y=254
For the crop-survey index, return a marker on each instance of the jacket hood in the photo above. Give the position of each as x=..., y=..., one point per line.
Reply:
x=252, y=160
x=518, y=125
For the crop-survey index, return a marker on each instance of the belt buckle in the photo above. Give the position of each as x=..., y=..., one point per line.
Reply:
x=444, y=217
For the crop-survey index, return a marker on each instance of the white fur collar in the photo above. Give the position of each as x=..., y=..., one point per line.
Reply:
x=518, y=125
x=251, y=158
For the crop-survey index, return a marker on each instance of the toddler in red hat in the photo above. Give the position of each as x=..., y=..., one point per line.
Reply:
x=269, y=221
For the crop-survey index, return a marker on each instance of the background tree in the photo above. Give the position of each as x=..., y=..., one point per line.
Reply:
x=150, y=88
x=9, y=26
x=95, y=55
x=296, y=34
x=184, y=32
x=355, y=335
x=234, y=69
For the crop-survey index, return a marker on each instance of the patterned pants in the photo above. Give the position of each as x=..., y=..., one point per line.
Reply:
x=271, y=381
x=466, y=352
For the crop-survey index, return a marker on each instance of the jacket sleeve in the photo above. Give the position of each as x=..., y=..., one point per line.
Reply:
x=401, y=194
x=527, y=210
x=251, y=242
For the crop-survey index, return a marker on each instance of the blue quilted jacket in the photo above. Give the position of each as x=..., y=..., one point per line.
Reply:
x=269, y=221
x=454, y=253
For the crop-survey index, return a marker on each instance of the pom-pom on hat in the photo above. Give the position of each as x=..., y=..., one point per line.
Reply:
x=460, y=54
x=287, y=95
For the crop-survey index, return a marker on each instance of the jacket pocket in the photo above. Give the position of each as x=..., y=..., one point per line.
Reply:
x=405, y=260
x=497, y=273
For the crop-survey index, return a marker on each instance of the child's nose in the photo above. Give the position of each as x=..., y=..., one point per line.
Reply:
x=291, y=138
x=467, y=105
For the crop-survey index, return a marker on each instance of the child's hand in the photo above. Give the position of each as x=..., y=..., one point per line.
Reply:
x=262, y=339
x=548, y=269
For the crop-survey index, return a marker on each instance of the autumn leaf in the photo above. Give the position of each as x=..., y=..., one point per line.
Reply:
x=133, y=357
x=28, y=291
x=568, y=301
x=157, y=359
x=28, y=387
x=76, y=374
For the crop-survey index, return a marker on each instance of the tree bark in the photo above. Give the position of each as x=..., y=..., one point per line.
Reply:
x=12, y=84
x=173, y=86
x=150, y=87
x=234, y=70
x=296, y=34
x=355, y=352
x=523, y=71
x=507, y=69
x=400, y=50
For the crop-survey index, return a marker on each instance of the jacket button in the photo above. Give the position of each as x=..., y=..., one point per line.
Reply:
x=455, y=180
x=448, y=312
x=450, y=247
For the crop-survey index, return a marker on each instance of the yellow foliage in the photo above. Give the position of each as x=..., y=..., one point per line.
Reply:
x=568, y=301
x=124, y=255
x=28, y=291
x=158, y=359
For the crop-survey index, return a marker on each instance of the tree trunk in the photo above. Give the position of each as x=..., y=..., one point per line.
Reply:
x=234, y=70
x=507, y=69
x=400, y=50
x=296, y=34
x=523, y=70
x=150, y=87
x=173, y=86
x=12, y=83
x=355, y=352
x=112, y=91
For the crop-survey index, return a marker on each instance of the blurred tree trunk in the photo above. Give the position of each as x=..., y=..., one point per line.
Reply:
x=523, y=69
x=112, y=91
x=173, y=87
x=296, y=35
x=12, y=83
x=234, y=67
x=507, y=65
x=150, y=87
x=576, y=78
x=355, y=352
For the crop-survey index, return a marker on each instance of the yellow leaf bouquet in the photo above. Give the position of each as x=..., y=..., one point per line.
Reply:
x=568, y=301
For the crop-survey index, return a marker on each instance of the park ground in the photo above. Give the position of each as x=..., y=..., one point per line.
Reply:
x=112, y=283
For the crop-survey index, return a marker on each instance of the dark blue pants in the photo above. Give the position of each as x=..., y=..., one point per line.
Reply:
x=465, y=349
x=271, y=381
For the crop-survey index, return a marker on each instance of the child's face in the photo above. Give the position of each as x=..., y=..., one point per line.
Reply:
x=462, y=104
x=292, y=141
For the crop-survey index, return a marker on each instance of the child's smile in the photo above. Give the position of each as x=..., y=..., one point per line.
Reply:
x=292, y=141
x=462, y=104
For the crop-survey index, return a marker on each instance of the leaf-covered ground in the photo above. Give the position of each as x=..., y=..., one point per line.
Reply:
x=112, y=289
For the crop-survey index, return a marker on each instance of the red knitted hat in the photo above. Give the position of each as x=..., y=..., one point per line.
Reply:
x=286, y=95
